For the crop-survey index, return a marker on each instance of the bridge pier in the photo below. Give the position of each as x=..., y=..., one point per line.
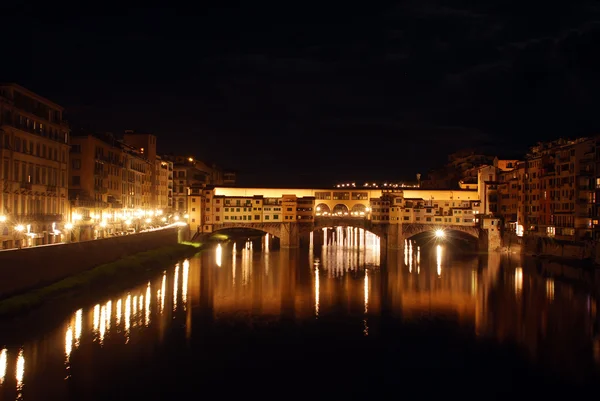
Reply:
x=289, y=236
x=318, y=238
x=394, y=237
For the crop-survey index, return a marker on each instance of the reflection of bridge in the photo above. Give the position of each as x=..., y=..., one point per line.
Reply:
x=392, y=236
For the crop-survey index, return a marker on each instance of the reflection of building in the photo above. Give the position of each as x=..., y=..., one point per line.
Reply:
x=424, y=288
x=34, y=142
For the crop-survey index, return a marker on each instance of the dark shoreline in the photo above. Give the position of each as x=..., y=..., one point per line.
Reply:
x=43, y=304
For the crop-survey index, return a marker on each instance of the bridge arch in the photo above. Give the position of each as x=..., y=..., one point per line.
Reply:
x=273, y=229
x=322, y=209
x=411, y=230
x=347, y=221
x=340, y=210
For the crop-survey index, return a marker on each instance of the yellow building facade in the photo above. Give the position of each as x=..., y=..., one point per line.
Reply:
x=232, y=206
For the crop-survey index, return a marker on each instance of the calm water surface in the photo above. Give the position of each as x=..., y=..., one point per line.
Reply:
x=330, y=323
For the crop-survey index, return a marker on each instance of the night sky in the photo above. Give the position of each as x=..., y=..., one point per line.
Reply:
x=298, y=95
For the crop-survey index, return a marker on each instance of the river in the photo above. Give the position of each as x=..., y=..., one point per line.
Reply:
x=338, y=322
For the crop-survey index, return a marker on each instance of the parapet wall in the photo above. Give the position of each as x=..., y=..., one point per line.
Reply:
x=28, y=268
x=564, y=249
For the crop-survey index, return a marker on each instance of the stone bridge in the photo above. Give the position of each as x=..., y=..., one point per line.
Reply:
x=391, y=236
x=292, y=234
x=412, y=229
x=269, y=228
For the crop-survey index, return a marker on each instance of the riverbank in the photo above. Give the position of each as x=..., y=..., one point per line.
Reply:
x=111, y=276
x=587, y=263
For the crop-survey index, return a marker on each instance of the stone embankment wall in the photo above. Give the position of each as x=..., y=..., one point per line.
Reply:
x=534, y=245
x=29, y=268
x=511, y=243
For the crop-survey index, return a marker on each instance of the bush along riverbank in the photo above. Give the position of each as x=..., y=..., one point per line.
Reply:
x=111, y=276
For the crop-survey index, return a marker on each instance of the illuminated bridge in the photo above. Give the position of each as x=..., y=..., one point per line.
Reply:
x=293, y=214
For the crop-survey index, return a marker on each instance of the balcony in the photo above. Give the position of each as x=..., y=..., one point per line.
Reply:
x=101, y=190
x=91, y=204
x=39, y=218
x=51, y=188
x=26, y=185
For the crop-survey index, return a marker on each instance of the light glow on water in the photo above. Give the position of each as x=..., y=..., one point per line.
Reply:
x=184, y=283
x=175, y=286
x=219, y=255
x=438, y=258
x=348, y=249
x=336, y=282
x=20, y=369
x=3, y=364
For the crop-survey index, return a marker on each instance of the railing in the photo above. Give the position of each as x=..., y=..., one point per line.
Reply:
x=88, y=204
x=25, y=218
x=116, y=205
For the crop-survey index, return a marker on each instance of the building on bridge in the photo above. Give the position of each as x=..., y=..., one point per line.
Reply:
x=393, y=214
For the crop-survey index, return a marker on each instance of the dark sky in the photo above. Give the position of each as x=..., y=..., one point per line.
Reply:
x=313, y=95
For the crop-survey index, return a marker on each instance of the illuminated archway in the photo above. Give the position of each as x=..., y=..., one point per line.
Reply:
x=322, y=210
x=340, y=210
x=241, y=231
x=456, y=238
x=358, y=210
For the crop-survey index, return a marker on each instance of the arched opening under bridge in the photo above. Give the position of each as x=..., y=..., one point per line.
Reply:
x=345, y=236
x=346, y=247
x=458, y=241
x=259, y=237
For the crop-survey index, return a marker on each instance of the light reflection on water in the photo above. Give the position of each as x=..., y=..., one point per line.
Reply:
x=493, y=298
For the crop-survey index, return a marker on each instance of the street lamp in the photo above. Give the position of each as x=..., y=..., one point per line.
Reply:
x=2, y=218
x=439, y=233
x=19, y=234
x=68, y=227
